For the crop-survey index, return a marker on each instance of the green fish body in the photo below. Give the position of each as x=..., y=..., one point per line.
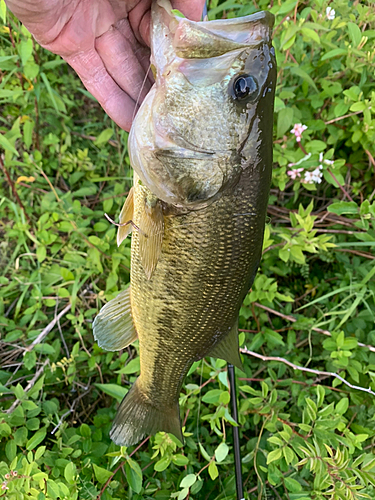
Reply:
x=201, y=146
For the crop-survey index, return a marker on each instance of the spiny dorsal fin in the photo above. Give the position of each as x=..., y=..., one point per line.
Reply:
x=126, y=216
x=228, y=348
x=151, y=234
x=113, y=327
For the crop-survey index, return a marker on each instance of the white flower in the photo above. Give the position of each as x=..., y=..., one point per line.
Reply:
x=317, y=175
x=297, y=131
x=308, y=177
x=330, y=13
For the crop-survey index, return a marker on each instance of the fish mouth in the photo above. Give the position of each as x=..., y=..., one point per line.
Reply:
x=175, y=36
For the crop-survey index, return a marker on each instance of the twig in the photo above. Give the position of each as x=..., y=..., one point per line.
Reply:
x=93, y=138
x=355, y=252
x=343, y=117
x=13, y=188
x=119, y=467
x=303, y=369
x=71, y=409
x=319, y=330
x=339, y=185
x=370, y=157
x=29, y=385
x=48, y=328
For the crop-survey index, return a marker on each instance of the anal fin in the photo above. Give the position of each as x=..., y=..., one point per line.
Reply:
x=113, y=327
x=126, y=218
x=228, y=348
x=151, y=234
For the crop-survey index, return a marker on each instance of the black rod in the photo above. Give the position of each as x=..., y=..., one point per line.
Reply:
x=236, y=437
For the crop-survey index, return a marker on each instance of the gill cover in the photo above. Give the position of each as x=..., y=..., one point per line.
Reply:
x=187, y=140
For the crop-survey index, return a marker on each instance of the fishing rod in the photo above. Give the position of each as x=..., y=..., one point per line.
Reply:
x=236, y=437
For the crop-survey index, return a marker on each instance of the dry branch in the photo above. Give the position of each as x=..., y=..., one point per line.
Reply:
x=304, y=369
x=29, y=386
x=47, y=329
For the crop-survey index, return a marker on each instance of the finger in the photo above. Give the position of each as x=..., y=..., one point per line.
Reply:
x=140, y=16
x=91, y=70
x=141, y=51
x=192, y=9
x=122, y=64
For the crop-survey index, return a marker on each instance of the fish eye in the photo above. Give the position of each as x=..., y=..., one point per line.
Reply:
x=245, y=87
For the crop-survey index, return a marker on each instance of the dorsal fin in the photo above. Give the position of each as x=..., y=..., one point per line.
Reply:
x=151, y=225
x=126, y=217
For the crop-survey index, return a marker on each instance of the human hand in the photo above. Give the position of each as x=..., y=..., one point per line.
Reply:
x=105, y=41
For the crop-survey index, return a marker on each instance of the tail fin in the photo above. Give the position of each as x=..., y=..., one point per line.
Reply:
x=137, y=417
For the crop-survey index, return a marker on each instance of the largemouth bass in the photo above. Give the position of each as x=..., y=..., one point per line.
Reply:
x=201, y=147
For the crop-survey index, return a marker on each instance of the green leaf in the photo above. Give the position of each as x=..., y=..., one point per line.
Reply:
x=274, y=455
x=204, y=452
x=134, y=475
x=10, y=450
x=343, y=207
x=288, y=454
x=163, y=463
x=41, y=253
x=25, y=49
x=70, y=472
x=102, y=475
x=212, y=396
x=342, y=406
x=188, y=481
x=221, y=452
x=358, y=106
x=3, y=11
x=28, y=128
x=177, y=13
x=180, y=460
x=212, y=470
x=114, y=390
x=320, y=393
x=132, y=367
x=292, y=485
x=284, y=121
x=36, y=439
x=334, y=53
x=104, y=137
x=296, y=70
x=313, y=35
x=355, y=34
x=5, y=144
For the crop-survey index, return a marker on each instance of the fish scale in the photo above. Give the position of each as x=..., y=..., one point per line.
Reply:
x=197, y=295
x=202, y=152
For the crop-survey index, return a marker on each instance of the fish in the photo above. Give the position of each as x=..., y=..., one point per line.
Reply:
x=201, y=149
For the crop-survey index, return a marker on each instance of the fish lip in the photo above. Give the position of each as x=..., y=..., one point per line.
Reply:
x=265, y=15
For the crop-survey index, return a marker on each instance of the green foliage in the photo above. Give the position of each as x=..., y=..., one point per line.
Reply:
x=304, y=436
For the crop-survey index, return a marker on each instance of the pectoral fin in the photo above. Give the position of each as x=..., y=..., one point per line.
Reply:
x=113, y=327
x=151, y=234
x=126, y=217
x=228, y=348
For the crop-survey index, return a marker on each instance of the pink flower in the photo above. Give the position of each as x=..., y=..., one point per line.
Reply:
x=297, y=131
x=294, y=173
